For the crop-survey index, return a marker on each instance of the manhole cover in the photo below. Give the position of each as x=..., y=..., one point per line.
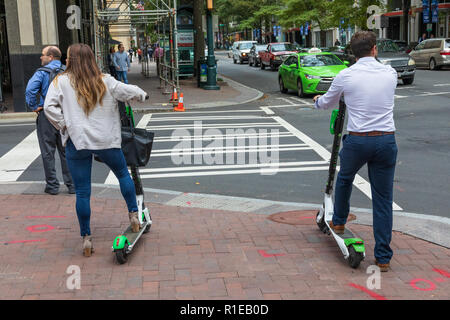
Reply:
x=299, y=217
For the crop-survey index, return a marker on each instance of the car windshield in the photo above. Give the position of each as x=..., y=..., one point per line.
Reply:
x=320, y=60
x=447, y=43
x=283, y=47
x=387, y=46
x=247, y=45
x=260, y=48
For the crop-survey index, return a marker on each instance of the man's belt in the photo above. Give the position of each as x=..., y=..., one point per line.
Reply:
x=370, y=133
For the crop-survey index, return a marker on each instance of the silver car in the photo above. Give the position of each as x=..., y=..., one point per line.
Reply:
x=241, y=51
x=432, y=53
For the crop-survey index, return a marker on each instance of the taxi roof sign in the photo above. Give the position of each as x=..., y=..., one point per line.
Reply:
x=314, y=50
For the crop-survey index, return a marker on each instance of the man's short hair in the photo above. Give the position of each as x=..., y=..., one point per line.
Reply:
x=362, y=43
x=54, y=51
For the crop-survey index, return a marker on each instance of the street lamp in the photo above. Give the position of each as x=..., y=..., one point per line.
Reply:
x=211, y=83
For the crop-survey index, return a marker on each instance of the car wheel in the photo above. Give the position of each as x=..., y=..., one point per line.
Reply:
x=262, y=65
x=282, y=87
x=234, y=60
x=272, y=67
x=408, y=80
x=300, y=88
x=250, y=62
x=432, y=64
x=241, y=61
x=257, y=63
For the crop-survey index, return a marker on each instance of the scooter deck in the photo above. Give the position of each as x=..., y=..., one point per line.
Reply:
x=133, y=236
x=346, y=235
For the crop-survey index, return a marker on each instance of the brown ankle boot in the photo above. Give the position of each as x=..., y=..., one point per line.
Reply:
x=339, y=229
x=134, y=221
x=88, y=248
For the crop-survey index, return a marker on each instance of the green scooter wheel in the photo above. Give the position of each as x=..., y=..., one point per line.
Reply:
x=122, y=255
x=354, y=258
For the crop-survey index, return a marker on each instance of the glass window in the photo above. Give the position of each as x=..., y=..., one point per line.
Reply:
x=320, y=60
x=290, y=60
x=283, y=47
x=447, y=43
x=387, y=46
x=245, y=45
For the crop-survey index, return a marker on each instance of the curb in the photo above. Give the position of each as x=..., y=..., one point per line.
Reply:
x=15, y=116
x=433, y=229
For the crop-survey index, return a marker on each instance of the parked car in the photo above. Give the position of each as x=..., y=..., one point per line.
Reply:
x=275, y=53
x=402, y=45
x=341, y=53
x=240, y=53
x=309, y=73
x=253, y=56
x=432, y=53
x=389, y=53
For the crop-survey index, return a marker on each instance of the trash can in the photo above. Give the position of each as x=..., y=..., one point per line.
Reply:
x=202, y=72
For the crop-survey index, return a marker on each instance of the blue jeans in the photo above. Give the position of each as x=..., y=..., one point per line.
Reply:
x=80, y=165
x=122, y=75
x=380, y=154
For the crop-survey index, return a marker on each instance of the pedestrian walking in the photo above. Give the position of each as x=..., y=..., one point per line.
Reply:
x=370, y=139
x=122, y=63
x=423, y=37
x=159, y=53
x=150, y=52
x=49, y=138
x=82, y=103
x=140, y=55
x=112, y=68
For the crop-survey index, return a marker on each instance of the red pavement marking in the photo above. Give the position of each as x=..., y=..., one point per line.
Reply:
x=25, y=241
x=369, y=292
x=37, y=228
x=267, y=255
x=40, y=217
x=444, y=273
x=414, y=281
x=439, y=279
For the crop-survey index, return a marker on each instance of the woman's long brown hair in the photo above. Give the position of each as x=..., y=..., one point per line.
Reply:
x=85, y=76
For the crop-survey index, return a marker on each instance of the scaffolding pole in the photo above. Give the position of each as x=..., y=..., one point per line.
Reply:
x=122, y=13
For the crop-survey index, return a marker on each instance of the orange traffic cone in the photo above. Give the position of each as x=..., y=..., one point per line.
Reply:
x=180, y=106
x=174, y=97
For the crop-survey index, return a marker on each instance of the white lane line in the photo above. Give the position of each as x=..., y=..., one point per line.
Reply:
x=235, y=166
x=431, y=94
x=396, y=96
x=267, y=110
x=401, y=88
x=209, y=112
x=441, y=84
x=206, y=118
x=262, y=171
x=18, y=124
x=282, y=134
x=286, y=106
x=213, y=126
x=216, y=152
x=18, y=159
x=287, y=100
x=219, y=148
x=308, y=103
x=359, y=182
x=144, y=121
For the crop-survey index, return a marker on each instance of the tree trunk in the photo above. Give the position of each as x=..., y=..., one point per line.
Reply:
x=406, y=6
x=199, y=39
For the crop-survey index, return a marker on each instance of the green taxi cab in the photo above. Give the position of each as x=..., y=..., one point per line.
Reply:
x=309, y=72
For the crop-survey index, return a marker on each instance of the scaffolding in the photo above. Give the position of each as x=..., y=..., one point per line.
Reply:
x=124, y=13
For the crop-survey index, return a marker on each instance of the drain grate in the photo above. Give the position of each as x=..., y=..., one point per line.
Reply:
x=300, y=217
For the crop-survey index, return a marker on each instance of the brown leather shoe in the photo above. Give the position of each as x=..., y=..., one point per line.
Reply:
x=339, y=229
x=384, y=267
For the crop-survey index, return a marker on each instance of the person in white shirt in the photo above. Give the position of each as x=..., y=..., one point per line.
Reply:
x=82, y=104
x=368, y=88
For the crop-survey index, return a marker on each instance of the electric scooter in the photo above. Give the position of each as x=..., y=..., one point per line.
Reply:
x=352, y=248
x=124, y=243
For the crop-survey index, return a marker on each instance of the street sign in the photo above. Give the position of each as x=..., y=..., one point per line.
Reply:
x=425, y=11
x=306, y=28
x=301, y=30
x=434, y=11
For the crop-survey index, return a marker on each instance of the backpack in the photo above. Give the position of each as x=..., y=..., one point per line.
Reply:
x=52, y=72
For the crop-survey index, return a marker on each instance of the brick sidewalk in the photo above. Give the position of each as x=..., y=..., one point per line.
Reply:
x=193, y=253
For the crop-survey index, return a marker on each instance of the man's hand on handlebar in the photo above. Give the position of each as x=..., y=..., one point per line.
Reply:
x=316, y=97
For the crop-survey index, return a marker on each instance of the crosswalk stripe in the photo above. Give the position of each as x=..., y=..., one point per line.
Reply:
x=18, y=159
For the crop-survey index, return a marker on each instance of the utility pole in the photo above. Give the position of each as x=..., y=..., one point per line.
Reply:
x=211, y=83
x=406, y=7
x=199, y=41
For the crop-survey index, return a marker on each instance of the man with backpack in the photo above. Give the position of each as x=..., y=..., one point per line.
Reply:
x=49, y=138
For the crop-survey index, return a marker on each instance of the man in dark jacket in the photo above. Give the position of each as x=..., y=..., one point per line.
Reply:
x=49, y=138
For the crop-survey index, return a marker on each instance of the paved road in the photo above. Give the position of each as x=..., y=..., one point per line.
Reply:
x=298, y=152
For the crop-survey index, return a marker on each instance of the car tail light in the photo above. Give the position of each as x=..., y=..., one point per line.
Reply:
x=445, y=53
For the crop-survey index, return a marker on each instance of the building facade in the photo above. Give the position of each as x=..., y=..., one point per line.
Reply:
x=26, y=27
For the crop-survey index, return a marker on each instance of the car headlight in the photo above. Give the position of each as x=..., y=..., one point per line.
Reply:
x=411, y=62
x=308, y=76
x=244, y=54
x=277, y=58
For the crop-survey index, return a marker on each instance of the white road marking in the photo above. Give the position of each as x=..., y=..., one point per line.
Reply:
x=18, y=159
x=205, y=149
x=235, y=166
x=208, y=112
x=359, y=182
x=267, y=110
x=206, y=118
x=222, y=151
x=431, y=94
x=287, y=100
x=441, y=84
x=213, y=126
x=286, y=106
x=144, y=121
x=224, y=137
